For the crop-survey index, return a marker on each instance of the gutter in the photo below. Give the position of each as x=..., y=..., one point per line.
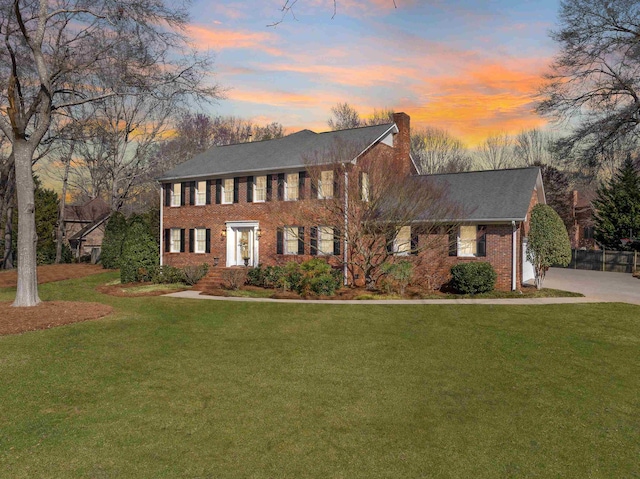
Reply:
x=514, y=251
x=345, y=254
x=161, y=223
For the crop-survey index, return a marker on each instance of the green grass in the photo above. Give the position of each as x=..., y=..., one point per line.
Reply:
x=170, y=388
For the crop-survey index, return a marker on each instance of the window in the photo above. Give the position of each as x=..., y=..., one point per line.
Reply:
x=260, y=189
x=227, y=191
x=291, y=187
x=325, y=185
x=200, y=242
x=290, y=240
x=325, y=240
x=402, y=242
x=366, y=188
x=201, y=193
x=176, y=243
x=467, y=241
x=176, y=189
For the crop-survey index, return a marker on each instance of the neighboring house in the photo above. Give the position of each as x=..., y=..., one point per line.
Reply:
x=219, y=207
x=85, y=224
x=583, y=224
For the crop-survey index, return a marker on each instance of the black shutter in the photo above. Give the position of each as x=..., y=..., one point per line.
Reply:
x=167, y=240
x=191, y=240
x=167, y=194
x=218, y=191
x=208, y=192
x=336, y=241
x=183, y=193
x=301, y=240
x=301, y=176
x=360, y=190
x=249, y=189
x=280, y=241
x=390, y=237
x=207, y=246
x=281, y=187
x=336, y=185
x=453, y=242
x=269, y=187
x=192, y=193
x=481, y=249
x=236, y=187
x=314, y=241
x=182, y=240
x=314, y=187
x=414, y=240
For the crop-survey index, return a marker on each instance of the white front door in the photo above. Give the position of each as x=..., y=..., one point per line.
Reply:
x=242, y=244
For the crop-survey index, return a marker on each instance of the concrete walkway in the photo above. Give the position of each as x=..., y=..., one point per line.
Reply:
x=514, y=301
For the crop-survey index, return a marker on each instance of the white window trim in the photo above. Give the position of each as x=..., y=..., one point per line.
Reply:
x=176, y=197
x=319, y=240
x=321, y=195
x=223, y=192
x=365, y=194
x=174, y=245
x=195, y=240
x=459, y=244
x=286, y=186
x=255, y=189
x=396, y=243
x=290, y=234
x=201, y=196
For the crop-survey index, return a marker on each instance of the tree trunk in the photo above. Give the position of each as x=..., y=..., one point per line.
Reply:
x=63, y=201
x=27, y=290
x=7, y=259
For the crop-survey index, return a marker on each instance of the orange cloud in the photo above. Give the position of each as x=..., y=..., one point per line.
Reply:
x=222, y=39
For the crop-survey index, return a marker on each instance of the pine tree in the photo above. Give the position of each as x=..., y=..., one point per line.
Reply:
x=617, y=210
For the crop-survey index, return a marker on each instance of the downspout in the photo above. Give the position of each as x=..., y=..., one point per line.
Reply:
x=161, y=222
x=345, y=254
x=514, y=251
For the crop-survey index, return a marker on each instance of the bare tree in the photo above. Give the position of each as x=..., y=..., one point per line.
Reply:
x=379, y=117
x=51, y=51
x=373, y=211
x=344, y=116
x=497, y=152
x=532, y=147
x=594, y=81
x=436, y=151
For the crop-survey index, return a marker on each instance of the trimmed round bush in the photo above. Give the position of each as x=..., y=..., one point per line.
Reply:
x=473, y=278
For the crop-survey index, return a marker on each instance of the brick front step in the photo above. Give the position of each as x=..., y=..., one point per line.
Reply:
x=213, y=279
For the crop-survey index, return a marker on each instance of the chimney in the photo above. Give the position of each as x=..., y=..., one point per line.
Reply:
x=403, y=143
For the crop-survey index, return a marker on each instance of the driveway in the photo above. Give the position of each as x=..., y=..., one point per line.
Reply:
x=599, y=285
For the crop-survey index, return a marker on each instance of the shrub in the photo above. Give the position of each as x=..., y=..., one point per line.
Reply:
x=397, y=276
x=112, y=243
x=473, y=278
x=193, y=274
x=255, y=276
x=273, y=277
x=324, y=285
x=139, y=258
x=234, y=278
x=548, y=242
x=167, y=274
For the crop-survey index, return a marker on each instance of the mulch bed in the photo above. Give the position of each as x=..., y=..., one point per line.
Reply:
x=121, y=290
x=48, y=314
x=53, y=272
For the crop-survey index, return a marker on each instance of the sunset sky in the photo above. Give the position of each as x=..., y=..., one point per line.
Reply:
x=472, y=68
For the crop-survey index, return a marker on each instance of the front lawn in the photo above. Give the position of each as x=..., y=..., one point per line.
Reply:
x=168, y=387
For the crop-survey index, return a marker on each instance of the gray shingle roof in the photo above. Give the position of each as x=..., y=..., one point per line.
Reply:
x=292, y=151
x=493, y=195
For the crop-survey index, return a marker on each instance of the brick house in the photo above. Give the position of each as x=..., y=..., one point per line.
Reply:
x=232, y=205
x=85, y=225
